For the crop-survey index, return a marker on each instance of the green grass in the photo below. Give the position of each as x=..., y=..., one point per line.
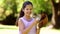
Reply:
x=45, y=30
x=10, y=29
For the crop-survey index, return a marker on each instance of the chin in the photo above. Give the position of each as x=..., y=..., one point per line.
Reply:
x=28, y=14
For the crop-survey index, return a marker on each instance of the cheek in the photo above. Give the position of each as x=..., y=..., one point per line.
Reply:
x=28, y=12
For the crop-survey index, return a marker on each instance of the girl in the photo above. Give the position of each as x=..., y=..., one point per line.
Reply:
x=27, y=24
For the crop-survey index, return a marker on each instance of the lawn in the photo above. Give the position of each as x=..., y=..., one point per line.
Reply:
x=6, y=29
x=44, y=30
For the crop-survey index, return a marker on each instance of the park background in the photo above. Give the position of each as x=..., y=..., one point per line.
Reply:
x=10, y=9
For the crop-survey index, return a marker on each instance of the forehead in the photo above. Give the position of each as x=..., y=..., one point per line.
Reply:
x=29, y=6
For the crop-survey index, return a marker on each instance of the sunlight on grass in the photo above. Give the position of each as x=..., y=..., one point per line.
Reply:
x=10, y=29
x=44, y=30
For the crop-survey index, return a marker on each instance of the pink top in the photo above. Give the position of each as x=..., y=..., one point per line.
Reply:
x=27, y=24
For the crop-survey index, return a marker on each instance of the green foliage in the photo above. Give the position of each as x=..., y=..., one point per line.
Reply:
x=42, y=5
x=12, y=7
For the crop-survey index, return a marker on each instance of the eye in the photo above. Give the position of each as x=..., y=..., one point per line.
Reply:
x=27, y=9
x=30, y=9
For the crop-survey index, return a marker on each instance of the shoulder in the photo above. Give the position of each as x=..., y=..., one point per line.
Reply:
x=20, y=19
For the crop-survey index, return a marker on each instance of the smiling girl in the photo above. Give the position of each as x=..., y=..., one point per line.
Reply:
x=26, y=23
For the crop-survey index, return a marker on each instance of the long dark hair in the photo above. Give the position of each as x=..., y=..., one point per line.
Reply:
x=22, y=12
x=24, y=5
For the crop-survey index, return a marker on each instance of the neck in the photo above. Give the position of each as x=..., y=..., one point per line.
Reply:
x=27, y=17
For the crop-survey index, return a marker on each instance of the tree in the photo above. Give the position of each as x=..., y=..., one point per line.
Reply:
x=10, y=5
x=56, y=13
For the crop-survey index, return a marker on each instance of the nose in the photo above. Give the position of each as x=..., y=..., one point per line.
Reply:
x=29, y=10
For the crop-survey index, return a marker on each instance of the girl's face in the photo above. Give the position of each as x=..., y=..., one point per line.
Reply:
x=28, y=10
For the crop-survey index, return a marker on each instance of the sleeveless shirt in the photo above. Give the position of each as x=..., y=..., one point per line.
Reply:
x=27, y=24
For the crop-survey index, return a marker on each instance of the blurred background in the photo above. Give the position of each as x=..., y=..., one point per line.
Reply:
x=10, y=9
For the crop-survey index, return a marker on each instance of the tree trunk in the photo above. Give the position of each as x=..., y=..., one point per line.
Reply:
x=56, y=14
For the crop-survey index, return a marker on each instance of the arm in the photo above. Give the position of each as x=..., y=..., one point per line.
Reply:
x=21, y=27
x=38, y=31
x=38, y=27
x=42, y=22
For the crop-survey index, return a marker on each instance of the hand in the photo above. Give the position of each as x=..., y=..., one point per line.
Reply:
x=36, y=21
